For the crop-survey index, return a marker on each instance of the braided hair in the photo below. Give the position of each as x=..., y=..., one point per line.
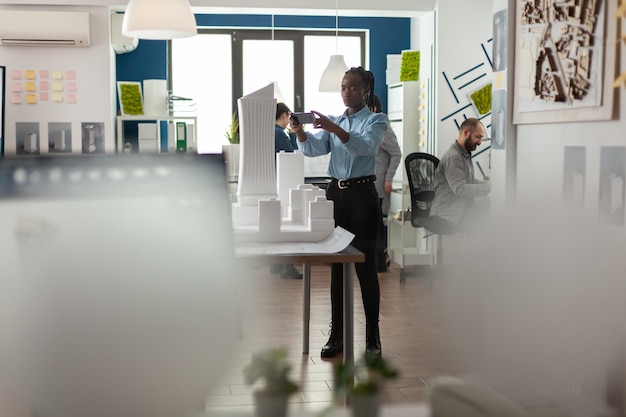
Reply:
x=368, y=82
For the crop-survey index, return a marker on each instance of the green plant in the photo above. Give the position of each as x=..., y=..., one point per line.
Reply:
x=364, y=377
x=272, y=367
x=410, y=66
x=130, y=98
x=482, y=99
x=232, y=134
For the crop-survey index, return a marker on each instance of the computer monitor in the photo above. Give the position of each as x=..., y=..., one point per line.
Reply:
x=117, y=291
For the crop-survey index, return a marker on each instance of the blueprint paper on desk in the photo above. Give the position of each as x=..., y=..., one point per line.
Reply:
x=336, y=242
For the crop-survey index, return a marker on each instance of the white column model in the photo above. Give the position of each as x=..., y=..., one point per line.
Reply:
x=257, y=167
x=290, y=174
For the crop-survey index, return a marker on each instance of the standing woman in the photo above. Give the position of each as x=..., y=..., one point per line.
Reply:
x=352, y=140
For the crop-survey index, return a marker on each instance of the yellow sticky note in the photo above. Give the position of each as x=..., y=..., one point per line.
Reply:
x=31, y=99
x=30, y=86
x=57, y=75
x=29, y=74
x=57, y=86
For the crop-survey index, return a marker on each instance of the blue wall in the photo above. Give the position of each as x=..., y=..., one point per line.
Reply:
x=387, y=36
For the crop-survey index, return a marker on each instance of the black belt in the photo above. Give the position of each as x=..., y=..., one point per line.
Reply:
x=347, y=183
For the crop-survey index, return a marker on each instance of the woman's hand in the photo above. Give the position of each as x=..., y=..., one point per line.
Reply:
x=295, y=126
x=323, y=122
x=388, y=187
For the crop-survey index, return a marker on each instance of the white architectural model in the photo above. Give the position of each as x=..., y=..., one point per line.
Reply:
x=59, y=140
x=30, y=142
x=270, y=209
x=612, y=192
x=89, y=139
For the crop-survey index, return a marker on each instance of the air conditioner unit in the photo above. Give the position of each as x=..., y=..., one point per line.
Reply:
x=44, y=28
x=121, y=44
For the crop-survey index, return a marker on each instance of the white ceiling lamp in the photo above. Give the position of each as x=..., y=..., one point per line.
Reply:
x=336, y=68
x=159, y=19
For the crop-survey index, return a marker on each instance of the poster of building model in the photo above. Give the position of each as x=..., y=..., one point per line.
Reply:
x=564, y=64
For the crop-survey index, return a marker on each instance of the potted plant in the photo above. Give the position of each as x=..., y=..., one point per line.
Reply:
x=231, y=151
x=270, y=366
x=232, y=134
x=363, y=384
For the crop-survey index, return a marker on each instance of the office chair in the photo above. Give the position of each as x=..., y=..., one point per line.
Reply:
x=420, y=169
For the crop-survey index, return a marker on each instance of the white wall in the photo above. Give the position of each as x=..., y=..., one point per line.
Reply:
x=540, y=152
x=94, y=81
x=464, y=49
x=425, y=29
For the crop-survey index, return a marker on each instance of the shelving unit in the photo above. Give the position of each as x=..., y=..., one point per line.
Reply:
x=406, y=244
x=191, y=122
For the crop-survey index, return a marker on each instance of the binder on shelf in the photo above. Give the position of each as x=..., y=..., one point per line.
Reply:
x=181, y=137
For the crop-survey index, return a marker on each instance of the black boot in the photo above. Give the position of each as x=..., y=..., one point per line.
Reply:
x=372, y=340
x=334, y=345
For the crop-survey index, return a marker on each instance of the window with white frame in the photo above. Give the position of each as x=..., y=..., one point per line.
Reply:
x=220, y=65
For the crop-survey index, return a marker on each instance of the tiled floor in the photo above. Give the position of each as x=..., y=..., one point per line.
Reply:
x=410, y=336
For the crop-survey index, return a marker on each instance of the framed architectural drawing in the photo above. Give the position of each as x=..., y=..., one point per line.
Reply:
x=564, y=60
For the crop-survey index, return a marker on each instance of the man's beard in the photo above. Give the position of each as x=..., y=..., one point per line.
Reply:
x=469, y=146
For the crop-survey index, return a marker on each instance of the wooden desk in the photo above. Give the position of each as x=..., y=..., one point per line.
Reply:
x=348, y=257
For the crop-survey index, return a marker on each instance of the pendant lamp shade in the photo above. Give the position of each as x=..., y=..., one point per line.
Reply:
x=159, y=19
x=333, y=74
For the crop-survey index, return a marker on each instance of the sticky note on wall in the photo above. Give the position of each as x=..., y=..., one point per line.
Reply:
x=29, y=74
x=30, y=86
x=57, y=75
x=31, y=99
x=57, y=97
x=57, y=86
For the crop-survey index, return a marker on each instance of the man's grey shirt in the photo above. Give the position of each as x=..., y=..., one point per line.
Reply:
x=455, y=185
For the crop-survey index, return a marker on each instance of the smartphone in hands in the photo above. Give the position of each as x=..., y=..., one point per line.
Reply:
x=304, y=118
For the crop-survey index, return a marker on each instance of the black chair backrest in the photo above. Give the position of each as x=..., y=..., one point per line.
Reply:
x=420, y=169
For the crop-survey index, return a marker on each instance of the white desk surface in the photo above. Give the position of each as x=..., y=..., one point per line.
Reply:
x=399, y=410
